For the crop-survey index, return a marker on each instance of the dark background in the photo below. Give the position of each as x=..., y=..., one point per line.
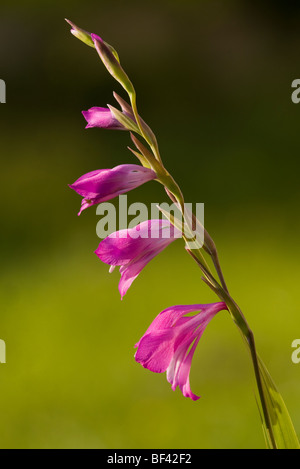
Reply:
x=213, y=80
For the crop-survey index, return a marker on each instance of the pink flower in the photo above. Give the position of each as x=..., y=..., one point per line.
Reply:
x=105, y=184
x=170, y=342
x=101, y=117
x=133, y=248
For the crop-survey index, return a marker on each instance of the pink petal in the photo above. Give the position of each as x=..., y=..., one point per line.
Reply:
x=130, y=271
x=101, y=117
x=171, y=340
x=170, y=316
x=105, y=184
x=122, y=247
x=155, y=350
x=179, y=369
x=133, y=253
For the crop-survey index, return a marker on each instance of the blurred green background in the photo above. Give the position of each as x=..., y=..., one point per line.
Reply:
x=214, y=82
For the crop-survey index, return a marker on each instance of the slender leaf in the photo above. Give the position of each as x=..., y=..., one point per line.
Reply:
x=282, y=426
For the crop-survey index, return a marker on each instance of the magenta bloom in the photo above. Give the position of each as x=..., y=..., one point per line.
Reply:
x=101, y=117
x=170, y=342
x=133, y=248
x=105, y=184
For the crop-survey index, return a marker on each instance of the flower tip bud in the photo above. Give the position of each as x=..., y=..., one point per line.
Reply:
x=96, y=38
x=86, y=116
x=73, y=26
x=81, y=34
x=75, y=33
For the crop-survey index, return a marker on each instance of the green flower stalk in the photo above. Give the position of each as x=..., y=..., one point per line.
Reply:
x=169, y=343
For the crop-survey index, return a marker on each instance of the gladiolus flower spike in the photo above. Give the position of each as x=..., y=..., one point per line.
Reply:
x=170, y=342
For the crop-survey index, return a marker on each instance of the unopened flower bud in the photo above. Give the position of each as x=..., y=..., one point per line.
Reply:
x=112, y=64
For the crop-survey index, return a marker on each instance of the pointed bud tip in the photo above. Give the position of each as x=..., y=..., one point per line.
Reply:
x=73, y=25
x=96, y=38
x=111, y=108
x=117, y=97
x=80, y=34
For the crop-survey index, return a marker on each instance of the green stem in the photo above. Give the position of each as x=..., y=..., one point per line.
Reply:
x=251, y=343
x=153, y=146
x=248, y=336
